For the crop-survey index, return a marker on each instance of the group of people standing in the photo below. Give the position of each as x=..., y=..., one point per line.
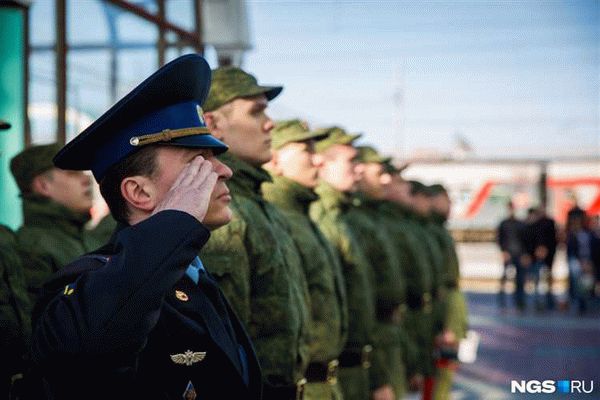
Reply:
x=251, y=259
x=530, y=247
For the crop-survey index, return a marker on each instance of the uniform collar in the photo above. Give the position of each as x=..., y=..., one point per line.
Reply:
x=333, y=198
x=43, y=212
x=288, y=194
x=437, y=218
x=246, y=179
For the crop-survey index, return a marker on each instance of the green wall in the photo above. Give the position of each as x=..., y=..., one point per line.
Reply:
x=12, y=75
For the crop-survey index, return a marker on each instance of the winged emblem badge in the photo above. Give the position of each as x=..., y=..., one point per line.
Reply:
x=188, y=358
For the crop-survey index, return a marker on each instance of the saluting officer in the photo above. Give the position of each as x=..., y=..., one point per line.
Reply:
x=141, y=317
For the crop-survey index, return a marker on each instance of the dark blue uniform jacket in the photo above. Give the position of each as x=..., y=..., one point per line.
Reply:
x=115, y=321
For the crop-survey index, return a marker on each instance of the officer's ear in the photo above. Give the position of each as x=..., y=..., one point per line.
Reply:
x=139, y=193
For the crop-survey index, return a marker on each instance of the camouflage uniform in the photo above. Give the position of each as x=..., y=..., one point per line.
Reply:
x=15, y=308
x=418, y=318
x=52, y=235
x=388, y=265
x=50, y=238
x=325, y=281
x=366, y=217
x=258, y=267
x=435, y=263
x=454, y=313
x=330, y=214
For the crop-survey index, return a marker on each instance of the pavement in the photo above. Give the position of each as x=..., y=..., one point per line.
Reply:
x=540, y=345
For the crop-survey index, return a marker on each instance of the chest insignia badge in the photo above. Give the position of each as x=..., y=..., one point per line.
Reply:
x=190, y=392
x=182, y=296
x=188, y=358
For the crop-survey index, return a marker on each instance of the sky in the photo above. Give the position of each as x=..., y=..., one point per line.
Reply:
x=512, y=78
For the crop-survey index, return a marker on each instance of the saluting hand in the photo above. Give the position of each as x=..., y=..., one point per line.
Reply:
x=192, y=189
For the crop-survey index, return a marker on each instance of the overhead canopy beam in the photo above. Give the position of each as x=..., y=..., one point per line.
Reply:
x=192, y=37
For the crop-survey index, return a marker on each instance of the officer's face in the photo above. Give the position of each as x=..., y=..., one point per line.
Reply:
x=171, y=160
x=298, y=162
x=246, y=128
x=338, y=168
x=72, y=189
x=374, y=180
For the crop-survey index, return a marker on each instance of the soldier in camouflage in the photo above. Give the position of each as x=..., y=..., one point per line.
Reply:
x=362, y=374
x=15, y=308
x=454, y=314
x=426, y=233
x=56, y=209
x=418, y=319
x=294, y=168
x=254, y=258
x=367, y=215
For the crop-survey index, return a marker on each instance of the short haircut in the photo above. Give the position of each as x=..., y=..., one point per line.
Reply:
x=142, y=162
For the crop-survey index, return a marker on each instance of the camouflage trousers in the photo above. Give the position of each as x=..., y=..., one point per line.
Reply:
x=443, y=383
x=389, y=347
x=322, y=391
x=419, y=325
x=354, y=383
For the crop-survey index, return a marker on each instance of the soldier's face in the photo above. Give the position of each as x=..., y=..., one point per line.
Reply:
x=246, y=128
x=171, y=160
x=72, y=189
x=338, y=168
x=421, y=203
x=298, y=162
x=399, y=191
x=441, y=204
x=374, y=180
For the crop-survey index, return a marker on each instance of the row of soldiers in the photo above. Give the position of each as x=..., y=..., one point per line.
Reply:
x=342, y=271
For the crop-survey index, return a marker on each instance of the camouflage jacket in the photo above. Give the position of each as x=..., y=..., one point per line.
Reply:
x=450, y=272
x=330, y=213
x=455, y=312
x=51, y=237
x=258, y=267
x=322, y=267
x=15, y=308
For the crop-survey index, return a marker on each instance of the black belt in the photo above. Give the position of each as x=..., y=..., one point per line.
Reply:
x=356, y=357
x=284, y=392
x=322, y=372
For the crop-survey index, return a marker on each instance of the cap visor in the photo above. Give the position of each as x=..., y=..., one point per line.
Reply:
x=201, y=142
x=349, y=139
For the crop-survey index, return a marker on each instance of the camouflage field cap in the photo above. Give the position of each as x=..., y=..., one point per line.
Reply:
x=335, y=135
x=419, y=188
x=392, y=169
x=436, y=189
x=31, y=162
x=368, y=154
x=293, y=130
x=229, y=83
